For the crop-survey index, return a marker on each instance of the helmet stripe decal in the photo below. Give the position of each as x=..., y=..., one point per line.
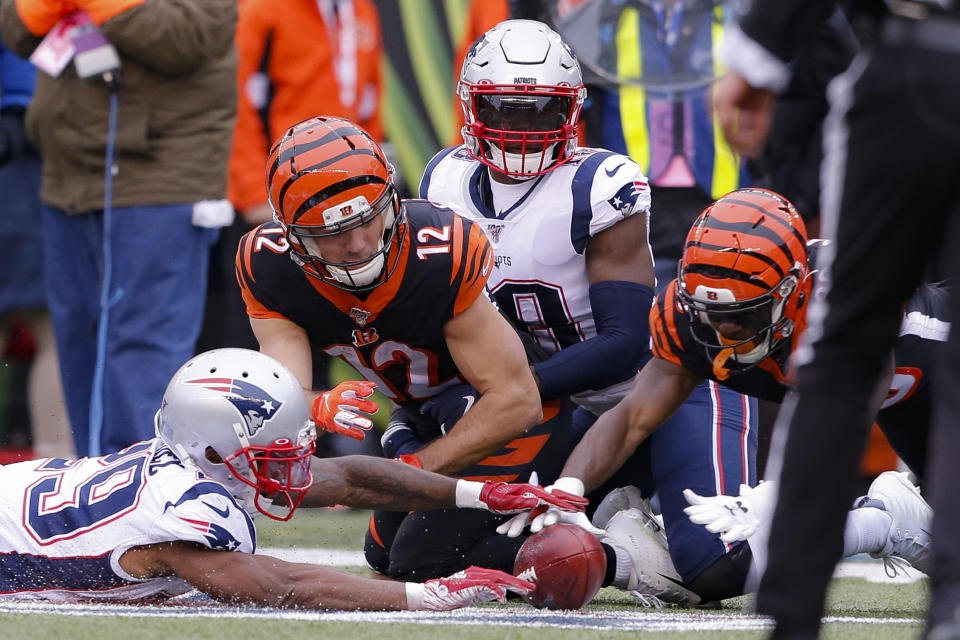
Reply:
x=321, y=165
x=774, y=219
x=710, y=270
x=753, y=254
x=295, y=150
x=750, y=229
x=334, y=189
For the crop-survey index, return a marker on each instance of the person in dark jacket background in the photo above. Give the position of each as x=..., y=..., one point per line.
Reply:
x=126, y=274
x=21, y=262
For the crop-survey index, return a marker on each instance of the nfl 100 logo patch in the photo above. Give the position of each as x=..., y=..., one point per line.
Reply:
x=493, y=232
x=360, y=316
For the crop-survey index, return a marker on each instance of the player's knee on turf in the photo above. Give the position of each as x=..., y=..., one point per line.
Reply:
x=379, y=539
x=376, y=556
x=725, y=578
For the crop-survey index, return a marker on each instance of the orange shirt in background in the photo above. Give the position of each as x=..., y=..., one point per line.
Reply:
x=483, y=16
x=286, y=74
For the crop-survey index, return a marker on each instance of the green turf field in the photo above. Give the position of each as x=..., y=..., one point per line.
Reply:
x=858, y=610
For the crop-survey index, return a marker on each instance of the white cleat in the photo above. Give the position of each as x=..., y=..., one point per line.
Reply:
x=619, y=500
x=909, y=536
x=652, y=576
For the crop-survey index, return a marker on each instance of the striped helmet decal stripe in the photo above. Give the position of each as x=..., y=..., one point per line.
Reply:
x=334, y=189
x=344, y=130
x=753, y=254
x=322, y=165
x=750, y=229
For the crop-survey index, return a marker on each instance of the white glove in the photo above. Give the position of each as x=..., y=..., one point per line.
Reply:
x=537, y=521
x=734, y=517
x=515, y=525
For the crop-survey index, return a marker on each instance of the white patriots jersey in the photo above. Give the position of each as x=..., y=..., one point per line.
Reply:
x=65, y=523
x=540, y=275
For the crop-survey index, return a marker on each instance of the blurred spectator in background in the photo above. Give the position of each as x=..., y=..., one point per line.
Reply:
x=299, y=59
x=482, y=16
x=650, y=66
x=21, y=260
x=790, y=162
x=651, y=100
x=127, y=270
x=296, y=60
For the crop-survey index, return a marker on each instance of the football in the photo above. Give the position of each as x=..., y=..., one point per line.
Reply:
x=565, y=562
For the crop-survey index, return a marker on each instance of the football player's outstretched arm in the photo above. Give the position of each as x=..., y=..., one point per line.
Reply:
x=287, y=342
x=489, y=355
x=365, y=482
x=241, y=578
x=658, y=391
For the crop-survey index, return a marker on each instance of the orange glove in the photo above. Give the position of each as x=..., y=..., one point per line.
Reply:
x=40, y=16
x=102, y=10
x=336, y=410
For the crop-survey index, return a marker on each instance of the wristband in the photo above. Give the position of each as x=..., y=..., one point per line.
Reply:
x=468, y=494
x=570, y=485
x=414, y=596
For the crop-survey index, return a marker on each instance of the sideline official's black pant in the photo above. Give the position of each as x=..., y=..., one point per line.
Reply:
x=891, y=202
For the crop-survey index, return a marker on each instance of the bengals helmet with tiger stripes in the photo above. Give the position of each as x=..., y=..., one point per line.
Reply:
x=744, y=273
x=326, y=176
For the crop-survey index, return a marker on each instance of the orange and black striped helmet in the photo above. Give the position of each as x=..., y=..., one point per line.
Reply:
x=745, y=266
x=325, y=177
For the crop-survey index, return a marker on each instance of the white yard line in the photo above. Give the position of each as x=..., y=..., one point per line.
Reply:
x=197, y=605
x=523, y=617
x=861, y=567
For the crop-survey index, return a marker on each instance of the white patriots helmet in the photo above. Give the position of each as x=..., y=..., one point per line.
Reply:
x=241, y=418
x=521, y=91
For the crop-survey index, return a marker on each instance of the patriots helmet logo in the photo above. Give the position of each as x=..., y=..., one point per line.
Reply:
x=254, y=404
x=625, y=198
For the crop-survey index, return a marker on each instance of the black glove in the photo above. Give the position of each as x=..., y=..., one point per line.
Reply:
x=399, y=438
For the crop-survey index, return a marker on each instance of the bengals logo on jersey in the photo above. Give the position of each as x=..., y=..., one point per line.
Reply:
x=364, y=337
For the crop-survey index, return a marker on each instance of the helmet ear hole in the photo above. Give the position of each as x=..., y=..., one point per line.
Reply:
x=212, y=456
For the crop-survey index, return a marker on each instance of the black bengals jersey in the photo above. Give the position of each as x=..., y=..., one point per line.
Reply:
x=672, y=339
x=906, y=411
x=393, y=334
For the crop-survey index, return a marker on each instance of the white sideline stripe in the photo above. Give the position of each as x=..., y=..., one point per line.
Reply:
x=874, y=572
x=330, y=557
x=197, y=605
x=871, y=571
x=525, y=617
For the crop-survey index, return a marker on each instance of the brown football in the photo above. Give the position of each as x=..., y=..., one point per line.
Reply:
x=565, y=562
